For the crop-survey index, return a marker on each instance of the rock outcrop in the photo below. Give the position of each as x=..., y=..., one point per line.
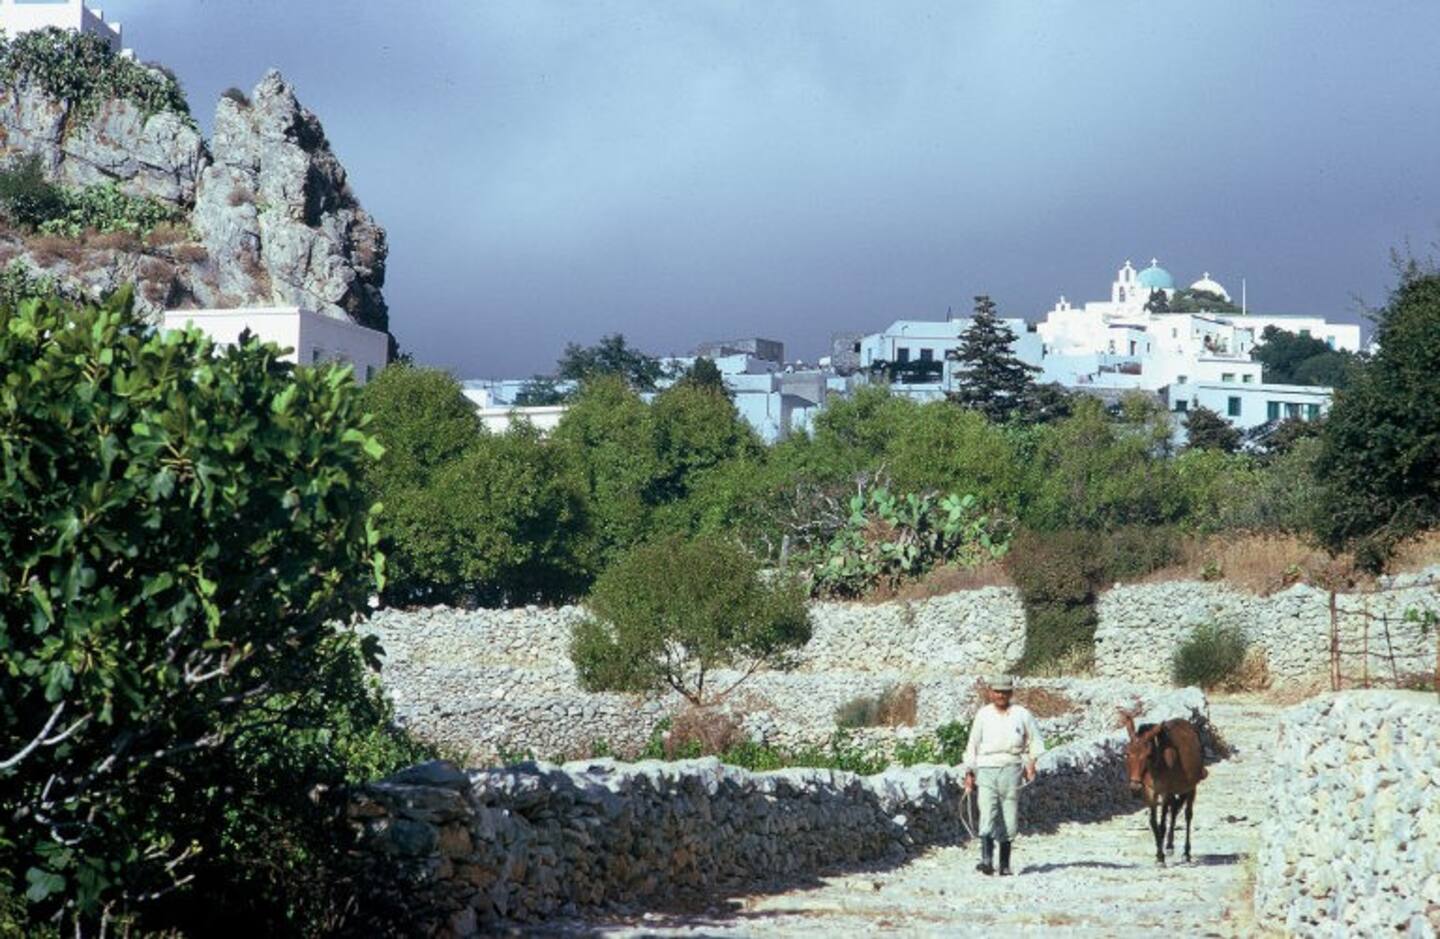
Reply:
x=270, y=214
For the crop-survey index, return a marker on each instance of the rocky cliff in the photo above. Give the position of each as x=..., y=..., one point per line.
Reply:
x=265, y=212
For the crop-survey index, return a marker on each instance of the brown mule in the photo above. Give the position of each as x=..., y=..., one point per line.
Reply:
x=1165, y=764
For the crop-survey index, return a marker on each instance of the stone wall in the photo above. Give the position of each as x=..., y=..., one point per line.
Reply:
x=487, y=682
x=1351, y=844
x=465, y=851
x=1141, y=626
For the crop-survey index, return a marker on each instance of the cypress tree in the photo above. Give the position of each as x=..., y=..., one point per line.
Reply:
x=995, y=382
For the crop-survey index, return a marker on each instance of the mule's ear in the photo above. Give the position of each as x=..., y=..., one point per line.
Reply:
x=1129, y=722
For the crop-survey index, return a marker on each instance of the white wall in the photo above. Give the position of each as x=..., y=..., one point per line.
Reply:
x=498, y=420
x=17, y=18
x=310, y=338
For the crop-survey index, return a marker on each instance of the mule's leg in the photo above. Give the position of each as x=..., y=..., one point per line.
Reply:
x=1172, y=803
x=1189, y=810
x=1158, y=830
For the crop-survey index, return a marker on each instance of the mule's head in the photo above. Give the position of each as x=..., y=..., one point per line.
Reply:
x=1139, y=752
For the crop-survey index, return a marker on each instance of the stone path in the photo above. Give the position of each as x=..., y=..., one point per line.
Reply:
x=1085, y=880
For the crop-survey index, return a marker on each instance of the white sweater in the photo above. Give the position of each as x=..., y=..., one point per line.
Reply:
x=1002, y=738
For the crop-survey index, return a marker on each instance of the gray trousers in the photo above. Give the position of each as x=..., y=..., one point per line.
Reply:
x=998, y=791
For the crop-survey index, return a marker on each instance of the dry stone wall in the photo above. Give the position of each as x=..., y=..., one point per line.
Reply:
x=1351, y=842
x=464, y=852
x=1141, y=627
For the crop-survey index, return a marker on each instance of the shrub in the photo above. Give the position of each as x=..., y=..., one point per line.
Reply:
x=890, y=539
x=697, y=731
x=1212, y=656
x=27, y=197
x=893, y=707
x=105, y=208
x=18, y=283
x=1058, y=574
x=184, y=531
x=1136, y=550
x=671, y=611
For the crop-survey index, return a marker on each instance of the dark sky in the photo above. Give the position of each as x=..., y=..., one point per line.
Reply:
x=679, y=171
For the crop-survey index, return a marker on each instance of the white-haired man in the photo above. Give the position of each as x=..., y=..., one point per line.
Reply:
x=1004, y=744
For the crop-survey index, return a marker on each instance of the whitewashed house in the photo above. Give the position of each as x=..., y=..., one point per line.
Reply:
x=23, y=16
x=311, y=338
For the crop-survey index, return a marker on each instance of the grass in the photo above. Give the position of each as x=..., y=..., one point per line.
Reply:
x=894, y=707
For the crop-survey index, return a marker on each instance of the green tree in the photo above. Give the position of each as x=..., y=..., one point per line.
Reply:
x=607, y=438
x=1380, y=448
x=1186, y=300
x=1292, y=359
x=994, y=382
x=27, y=198
x=939, y=447
x=696, y=429
x=540, y=391
x=671, y=612
x=705, y=374
x=423, y=420
x=184, y=532
x=1158, y=302
x=1207, y=430
x=610, y=356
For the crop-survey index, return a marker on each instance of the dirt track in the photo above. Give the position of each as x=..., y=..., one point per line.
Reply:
x=1084, y=880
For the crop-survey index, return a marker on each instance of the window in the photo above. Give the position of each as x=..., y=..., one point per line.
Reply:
x=927, y=355
x=1247, y=378
x=1132, y=346
x=902, y=354
x=369, y=373
x=1272, y=410
x=1181, y=379
x=1182, y=405
x=1174, y=333
x=1232, y=407
x=1292, y=409
x=315, y=353
x=1227, y=376
x=855, y=347
x=1312, y=412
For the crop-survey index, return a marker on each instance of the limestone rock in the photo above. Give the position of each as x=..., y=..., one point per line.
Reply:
x=277, y=201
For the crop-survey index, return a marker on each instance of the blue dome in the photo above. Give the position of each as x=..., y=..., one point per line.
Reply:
x=1156, y=277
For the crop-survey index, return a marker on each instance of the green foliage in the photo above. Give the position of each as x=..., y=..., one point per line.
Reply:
x=1292, y=359
x=82, y=71
x=1158, y=302
x=611, y=356
x=1206, y=430
x=841, y=752
x=696, y=429
x=105, y=208
x=994, y=381
x=671, y=611
x=705, y=374
x=184, y=529
x=889, y=539
x=17, y=283
x=27, y=198
x=470, y=516
x=1380, y=449
x=1186, y=300
x=937, y=446
x=30, y=201
x=1210, y=657
x=540, y=391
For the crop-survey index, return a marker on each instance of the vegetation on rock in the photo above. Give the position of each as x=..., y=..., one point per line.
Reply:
x=1211, y=657
x=84, y=72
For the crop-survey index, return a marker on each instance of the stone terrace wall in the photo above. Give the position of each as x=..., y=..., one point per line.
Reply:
x=1351, y=846
x=486, y=681
x=467, y=851
x=1141, y=626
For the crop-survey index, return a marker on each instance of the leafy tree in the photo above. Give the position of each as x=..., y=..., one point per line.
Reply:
x=1187, y=300
x=669, y=613
x=1277, y=438
x=423, y=420
x=540, y=391
x=610, y=356
x=937, y=447
x=696, y=428
x=1292, y=359
x=1380, y=448
x=1206, y=430
x=501, y=523
x=607, y=439
x=27, y=198
x=1158, y=302
x=994, y=382
x=184, y=532
x=705, y=374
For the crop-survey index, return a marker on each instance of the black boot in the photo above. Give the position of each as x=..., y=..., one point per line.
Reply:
x=987, y=855
x=1004, y=859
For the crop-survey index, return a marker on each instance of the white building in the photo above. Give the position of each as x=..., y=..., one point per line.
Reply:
x=922, y=353
x=1191, y=359
x=23, y=16
x=309, y=337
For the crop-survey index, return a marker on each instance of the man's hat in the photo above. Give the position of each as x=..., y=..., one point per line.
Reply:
x=1001, y=683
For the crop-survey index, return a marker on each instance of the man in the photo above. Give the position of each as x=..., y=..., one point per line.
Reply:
x=1004, y=742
